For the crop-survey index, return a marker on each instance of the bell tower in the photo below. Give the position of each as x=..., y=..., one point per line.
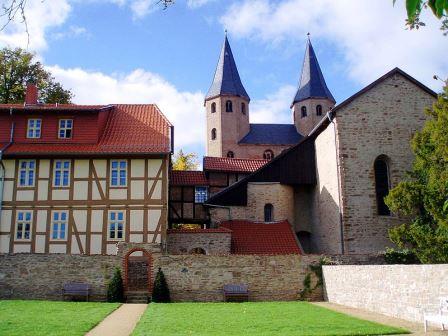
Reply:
x=313, y=99
x=227, y=107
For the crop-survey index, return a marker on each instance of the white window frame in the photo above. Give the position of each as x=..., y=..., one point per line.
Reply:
x=113, y=219
x=65, y=128
x=23, y=223
x=61, y=171
x=119, y=171
x=36, y=131
x=196, y=197
x=27, y=171
x=59, y=222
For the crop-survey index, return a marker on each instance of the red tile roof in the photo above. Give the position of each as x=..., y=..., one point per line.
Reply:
x=218, y=230
x=129, y=129
x=262, y=238
x=233, y=164
x=53, y=107
x=188, y=178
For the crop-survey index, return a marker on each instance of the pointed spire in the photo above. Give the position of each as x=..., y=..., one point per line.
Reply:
x=227, y=80
x=312, y=83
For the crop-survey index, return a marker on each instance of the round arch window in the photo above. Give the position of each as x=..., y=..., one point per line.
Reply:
x=230, y=154
x=213, y=108
x=268, y=154
x=229, y=107
x=213, y=135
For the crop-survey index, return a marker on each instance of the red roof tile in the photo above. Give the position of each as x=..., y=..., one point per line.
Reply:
x=188, y=178
x=52, y=107
x=233, y=164
x=262, y=238
x=218, y=230
x=130, y=129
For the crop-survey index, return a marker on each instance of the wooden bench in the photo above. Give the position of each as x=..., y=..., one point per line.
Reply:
x=440, y=317
x=76, y=289
x=236, y=293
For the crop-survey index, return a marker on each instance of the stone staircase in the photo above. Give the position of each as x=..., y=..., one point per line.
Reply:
x=137, y=297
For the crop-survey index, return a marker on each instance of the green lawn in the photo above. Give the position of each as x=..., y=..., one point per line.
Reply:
x=258, y=319
x=36, y=318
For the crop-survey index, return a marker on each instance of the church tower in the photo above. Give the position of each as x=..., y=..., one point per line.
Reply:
x=227, y=107
x=313, y=98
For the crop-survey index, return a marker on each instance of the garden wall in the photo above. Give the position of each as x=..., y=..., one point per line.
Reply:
x=403, y=291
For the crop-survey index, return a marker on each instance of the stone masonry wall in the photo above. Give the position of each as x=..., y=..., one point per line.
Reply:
x=214, y=243
x=402, y=291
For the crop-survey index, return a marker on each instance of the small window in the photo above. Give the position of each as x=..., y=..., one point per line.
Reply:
x=243, y=108
x=229, y=106
x=118, y=173
x=34, y=128
x=268, y=212
x=116, y=225
x=230, y=154
x=381, y=185
x=268, y=154
x=303, y=111
x=27, y=173
x=23, y=225
x=200, y=194
x=65, y=128
x=198, y=250
x=214, y=134
x=213, y=107
x=59, y=225
x=61, y=173
x=319, y=110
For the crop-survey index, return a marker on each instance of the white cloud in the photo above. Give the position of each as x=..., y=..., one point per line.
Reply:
x=71, y=32
x=274, y=108
x=370, y=34
x=184, y=109
x=197, y=3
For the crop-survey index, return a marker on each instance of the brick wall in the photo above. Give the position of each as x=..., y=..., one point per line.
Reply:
x=214, y=243
x=403, y=291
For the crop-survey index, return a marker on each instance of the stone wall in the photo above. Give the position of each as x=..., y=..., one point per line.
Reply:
x=213, y=241
x=403, y=291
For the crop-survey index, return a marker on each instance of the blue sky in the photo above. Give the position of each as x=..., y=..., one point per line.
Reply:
x=114, y=51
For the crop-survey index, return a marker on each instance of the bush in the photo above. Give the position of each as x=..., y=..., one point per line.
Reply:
x=160, y=291
x=115, y=291
x=400, y=256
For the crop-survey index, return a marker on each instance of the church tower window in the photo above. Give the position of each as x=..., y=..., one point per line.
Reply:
x=230, y=154
x=213, y=107
x=268, y=154
x=319, y=110
x=214, y=134
x=303, y=111
x=268, y=212
x=229, y=106
x=381, y=184
x=243, y=108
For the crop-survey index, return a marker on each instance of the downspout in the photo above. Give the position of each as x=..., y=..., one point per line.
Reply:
x=2, y=166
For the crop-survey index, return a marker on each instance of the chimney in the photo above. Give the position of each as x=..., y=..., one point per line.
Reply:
x=31, y=93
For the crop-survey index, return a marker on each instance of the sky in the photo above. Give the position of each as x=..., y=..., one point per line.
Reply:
x=133, y=51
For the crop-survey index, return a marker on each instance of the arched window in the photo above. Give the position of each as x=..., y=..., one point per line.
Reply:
x=214, y=134
x=381, y=184
x=198, y=250
x=243, y=108
x=229, y=106
x=319, y=110
x=268, y=212
x=213, y=107
x=230, y=154
x=268, y=154
x=303, y=111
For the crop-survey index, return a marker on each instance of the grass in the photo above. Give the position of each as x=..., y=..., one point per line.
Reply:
x=258, y=319
x=38, y=318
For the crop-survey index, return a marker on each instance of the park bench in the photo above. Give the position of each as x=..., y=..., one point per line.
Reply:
x=76, y=289
x=236, y=293
x=440, y=317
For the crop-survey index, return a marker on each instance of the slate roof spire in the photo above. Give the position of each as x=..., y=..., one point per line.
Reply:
x=227, y=79
x=312, y=83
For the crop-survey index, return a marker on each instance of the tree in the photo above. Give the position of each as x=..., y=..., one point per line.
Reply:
x=187, y=161
x=414, y=9
x=115, y=291
x=17, y=67
x=422, y=196
x=160, y=292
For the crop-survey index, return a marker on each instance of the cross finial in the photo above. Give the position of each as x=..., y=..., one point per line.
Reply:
x=225, y=32
x=308, y=34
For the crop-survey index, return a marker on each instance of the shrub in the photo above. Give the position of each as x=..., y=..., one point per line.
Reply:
x=160, y=291
x=400, y=257
x=115, y=291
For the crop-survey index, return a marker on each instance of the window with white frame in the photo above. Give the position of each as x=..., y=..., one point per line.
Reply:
x=34, y=128
x=59, y=225
x=200, y=194
x=118, y=173
x=61, y=173
x=65, y=128
x=27, y=173
x=116, y=225
x=23, y=225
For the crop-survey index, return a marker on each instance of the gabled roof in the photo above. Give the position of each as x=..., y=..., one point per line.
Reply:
x=236, y=165
x=227, y=79
x=129, y=130
x=54, y=107
x=312, y=83
x=188, y=178
x=262, y=238
x=271, y=134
